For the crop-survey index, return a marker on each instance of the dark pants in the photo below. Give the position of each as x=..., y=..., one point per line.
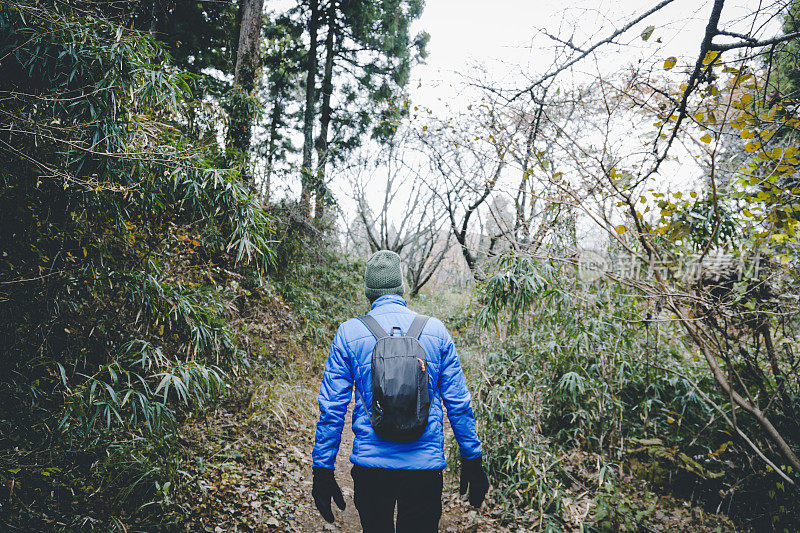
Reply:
x=417, y=493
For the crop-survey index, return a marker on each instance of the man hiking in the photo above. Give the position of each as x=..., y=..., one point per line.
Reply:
x=403, y=367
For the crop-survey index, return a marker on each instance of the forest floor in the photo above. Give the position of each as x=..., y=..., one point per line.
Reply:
x=249, y=461
x=251, y=478
x=253, y=474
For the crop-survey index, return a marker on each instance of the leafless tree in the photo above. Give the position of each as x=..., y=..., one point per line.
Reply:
x=611, y=182
x=491, y=158
x=417, y=233
x=466, y=161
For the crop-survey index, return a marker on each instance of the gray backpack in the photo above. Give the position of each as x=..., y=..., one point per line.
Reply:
x=400, y=398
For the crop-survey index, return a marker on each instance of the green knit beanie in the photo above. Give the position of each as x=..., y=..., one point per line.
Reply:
x=383, y=275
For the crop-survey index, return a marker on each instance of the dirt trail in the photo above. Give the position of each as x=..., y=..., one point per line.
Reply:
x=249, y=476
x=457, y=516
x=308, y=519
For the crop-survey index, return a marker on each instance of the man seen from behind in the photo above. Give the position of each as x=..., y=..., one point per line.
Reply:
x=405, y=372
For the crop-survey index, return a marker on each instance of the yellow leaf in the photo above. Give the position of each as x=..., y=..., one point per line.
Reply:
x=710, y=56
x=621, y=229
x=670, y=62
x=698, y=116
x=751, y=147
x=747, y=134
x=706, y=138
x=693, y=194
x=677, y=195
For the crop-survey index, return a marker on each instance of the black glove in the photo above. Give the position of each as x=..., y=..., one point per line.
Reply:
x=325, y=488
x=472, y=474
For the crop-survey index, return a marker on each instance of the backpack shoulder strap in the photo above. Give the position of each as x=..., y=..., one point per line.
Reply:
x=373, y=326
x=417, y=326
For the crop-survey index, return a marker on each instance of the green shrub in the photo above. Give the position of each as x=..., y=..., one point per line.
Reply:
x=114, y=226
x=322, y=283
x=573, y=366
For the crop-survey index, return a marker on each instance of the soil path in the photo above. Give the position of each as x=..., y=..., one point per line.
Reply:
x=250, y=478
x=308, y=519
x=457, y=515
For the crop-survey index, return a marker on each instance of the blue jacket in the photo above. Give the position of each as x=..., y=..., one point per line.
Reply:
x=349, y=363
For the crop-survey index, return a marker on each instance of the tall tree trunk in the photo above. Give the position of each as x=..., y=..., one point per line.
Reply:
x=277, y=111
x=325, y=112
x=306, y=173
x=237, y=28
x=244, y=76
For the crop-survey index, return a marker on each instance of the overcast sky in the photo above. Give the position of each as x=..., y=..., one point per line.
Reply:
x=503, y=37
x=505, y=40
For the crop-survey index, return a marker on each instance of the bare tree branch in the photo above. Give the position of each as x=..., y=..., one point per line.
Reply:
x=595, y=46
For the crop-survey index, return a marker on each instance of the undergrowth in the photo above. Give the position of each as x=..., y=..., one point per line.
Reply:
x=583, y=405
x=120, y=236
x=323, y=285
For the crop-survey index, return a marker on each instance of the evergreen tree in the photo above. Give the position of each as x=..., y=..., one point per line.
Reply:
x=283, y=66
x=243, y=102
x=371, y=41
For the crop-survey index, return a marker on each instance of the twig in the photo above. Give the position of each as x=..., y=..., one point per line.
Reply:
x=592, y=48
x=727, y=419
